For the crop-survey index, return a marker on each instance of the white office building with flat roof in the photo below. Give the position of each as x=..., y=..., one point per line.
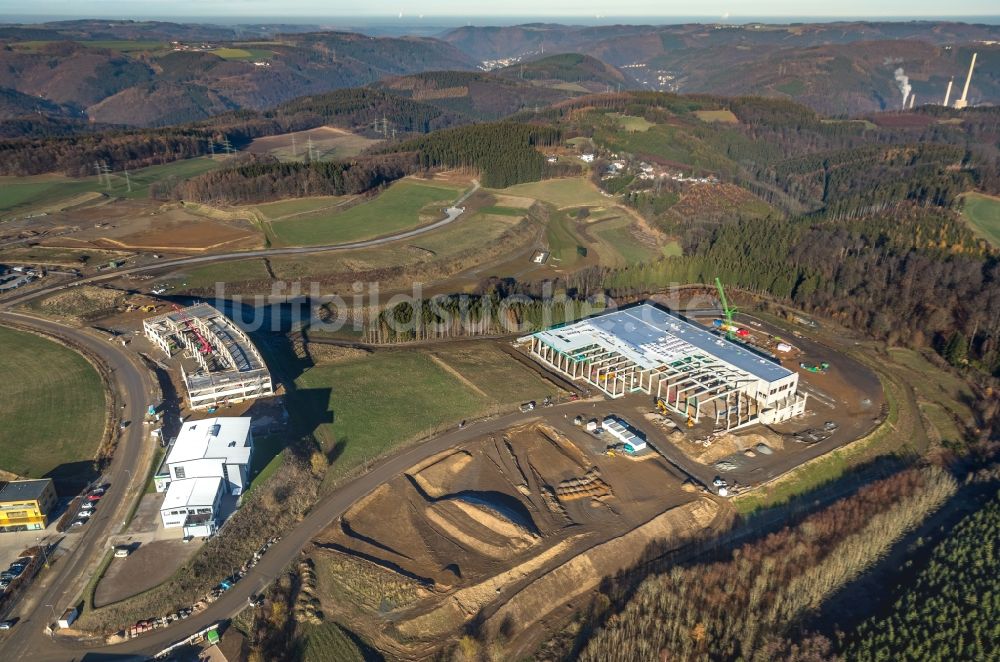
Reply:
x=692, y=370
x=209, y=459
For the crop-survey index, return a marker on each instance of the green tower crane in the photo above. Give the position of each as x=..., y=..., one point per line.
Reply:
x=727, y=312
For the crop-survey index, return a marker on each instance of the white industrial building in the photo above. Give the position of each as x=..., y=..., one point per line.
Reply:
x=694, y=371
x=221, y=364
x=630, y=438
x=209, y=459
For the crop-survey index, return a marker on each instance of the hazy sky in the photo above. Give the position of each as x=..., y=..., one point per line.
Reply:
x=415, y=8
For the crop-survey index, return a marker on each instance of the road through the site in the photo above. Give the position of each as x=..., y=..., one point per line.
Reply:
x=451, y=214
x=64, y=582
x=279, y=555
x=60, y=584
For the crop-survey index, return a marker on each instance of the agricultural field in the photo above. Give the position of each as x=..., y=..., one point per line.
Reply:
x=42, y=378
x=327, y=143
x=723, y=116
x=404, y=205
x=631, y=123
x=299, y=206
x=606, y=238
x=410, y=393
x=120, y=45
x=982, y=212
x=48, y=193
x=566, y=192
x=329, y=643
x=243, y=53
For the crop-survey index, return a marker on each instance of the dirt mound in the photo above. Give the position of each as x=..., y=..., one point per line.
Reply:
x=720, y=445
x=435, y=479
x=590, y=485
x=479, y=528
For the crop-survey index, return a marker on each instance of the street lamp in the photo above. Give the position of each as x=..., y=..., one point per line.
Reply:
x=53, y=610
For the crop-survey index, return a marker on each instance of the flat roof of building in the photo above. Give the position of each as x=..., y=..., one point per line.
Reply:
x=24, y=490
x=650, y=337
x=223, y=437
x=192, y=492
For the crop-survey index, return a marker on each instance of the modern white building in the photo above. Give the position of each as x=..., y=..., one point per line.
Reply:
x=692, y=370
x=193, y=503
x=221, y=364
x=209, y=459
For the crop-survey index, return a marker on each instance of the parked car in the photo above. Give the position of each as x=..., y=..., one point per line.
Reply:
x=4, y=583
x=84, y=514
x=94, y=497
x=7, y=576
x=88, y=505
x=16, y=569
x=78, y=523
x=121, y=551
x=6, y=625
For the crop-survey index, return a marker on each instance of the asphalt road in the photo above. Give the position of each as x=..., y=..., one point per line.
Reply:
x=451, y=214
x=61, y=583
x=332, y=506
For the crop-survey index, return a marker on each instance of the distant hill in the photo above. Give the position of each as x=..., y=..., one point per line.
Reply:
x=835, y=68
x=150, y=81
x=568, y=71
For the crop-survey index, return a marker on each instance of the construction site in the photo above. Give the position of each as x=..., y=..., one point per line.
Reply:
x=690, y=370
x=219, y=363
x=513, y=524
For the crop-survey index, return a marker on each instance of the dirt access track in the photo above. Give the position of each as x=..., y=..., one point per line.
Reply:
x=505, y=529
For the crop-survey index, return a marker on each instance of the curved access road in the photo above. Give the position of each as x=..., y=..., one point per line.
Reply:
x=451, y=214
x=63, y=582
x=32, y=644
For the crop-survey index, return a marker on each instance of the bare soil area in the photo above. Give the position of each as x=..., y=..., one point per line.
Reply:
x=500, y=523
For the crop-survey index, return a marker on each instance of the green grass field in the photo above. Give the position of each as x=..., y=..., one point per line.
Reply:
x=243, y=53
x=564, y=243
x=631, y=123
x=567, y=192
x=52, y=405
x=377, y=402
x=622, y=241
x=724, y=116
x=397, y=209
x=982, y=212
x=21, y=195
x=298, y=206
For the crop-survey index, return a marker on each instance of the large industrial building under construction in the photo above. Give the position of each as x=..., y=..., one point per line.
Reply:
x=221, y=364
x=694, y=372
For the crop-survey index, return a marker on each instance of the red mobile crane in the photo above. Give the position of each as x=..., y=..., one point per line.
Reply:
x=206, y=347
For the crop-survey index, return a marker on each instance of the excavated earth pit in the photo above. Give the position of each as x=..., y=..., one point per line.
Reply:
x=475, y=530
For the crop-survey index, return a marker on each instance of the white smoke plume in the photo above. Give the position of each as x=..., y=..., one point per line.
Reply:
x=903, y=81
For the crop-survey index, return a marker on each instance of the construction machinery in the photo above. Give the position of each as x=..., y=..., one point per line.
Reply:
x=727, y=312
x=206, y=347
x=813, y=367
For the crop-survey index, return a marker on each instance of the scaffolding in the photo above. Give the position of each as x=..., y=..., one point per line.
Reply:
x=690, y=370
x=231, y=370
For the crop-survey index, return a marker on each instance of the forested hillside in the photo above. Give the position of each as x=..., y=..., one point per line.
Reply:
x=951, y=609
x=502, y=153
x=741, y=607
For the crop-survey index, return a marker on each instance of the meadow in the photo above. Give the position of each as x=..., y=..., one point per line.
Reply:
x=982, y=212
x=52, y=405
x=397, y=209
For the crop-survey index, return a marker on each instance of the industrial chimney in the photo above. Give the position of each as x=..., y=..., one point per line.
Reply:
x=963, y=102
x=947, y=93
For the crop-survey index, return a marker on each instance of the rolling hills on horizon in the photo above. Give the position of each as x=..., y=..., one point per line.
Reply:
x=149, y=74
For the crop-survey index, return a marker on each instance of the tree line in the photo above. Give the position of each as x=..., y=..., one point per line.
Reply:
x=742, y=607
